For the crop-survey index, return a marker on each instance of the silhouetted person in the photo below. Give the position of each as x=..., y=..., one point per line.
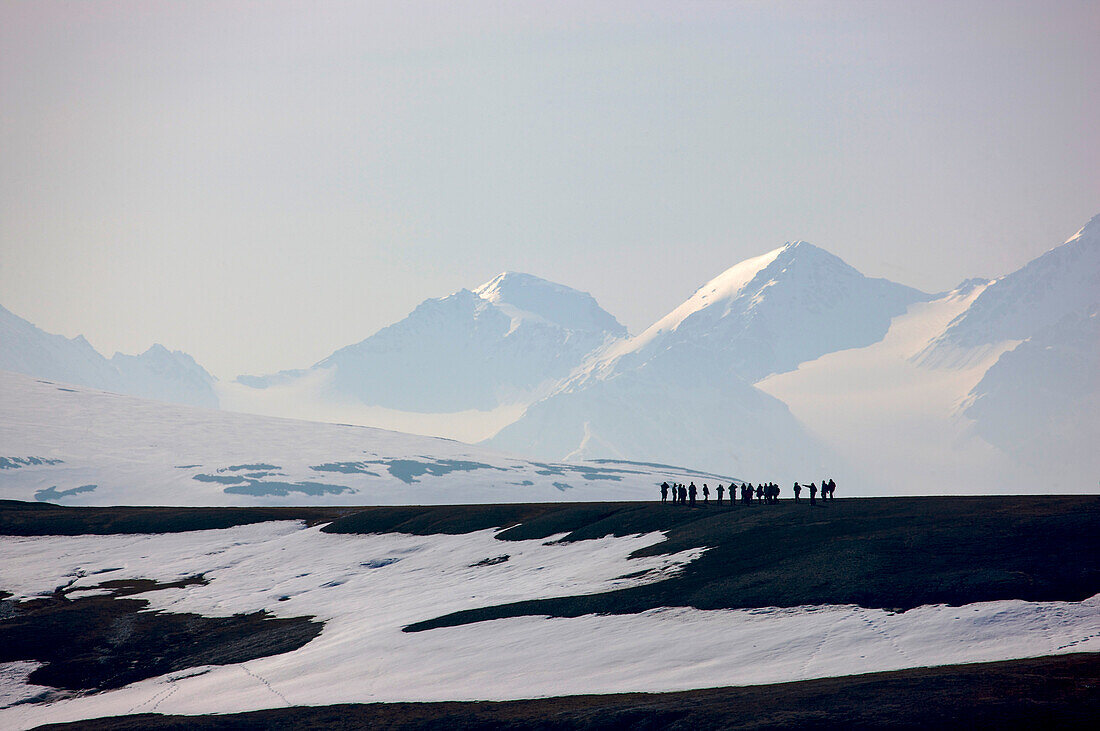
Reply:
x=664, y=492
x=797, y=491
x=832, y=488
x=813, y=494
x=760, y=491
x=721, y=490
x=706, y=493
x=692, y=492
x=683, y=495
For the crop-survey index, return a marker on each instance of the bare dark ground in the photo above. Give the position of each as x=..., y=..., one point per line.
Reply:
x=893, y=553
x=1042, y=693
x=19, y=518
x=104, y=642
x=890, y=553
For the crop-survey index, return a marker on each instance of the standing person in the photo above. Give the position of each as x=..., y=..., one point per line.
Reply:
x=706, y=494
x=747, y=491
x=720, y=491
x=813, y=494
x=797, y=491
x=664, y=492
x=760, y=491
x=824, y=490
x=692, y=492
x=683, y=494
x=832, y=488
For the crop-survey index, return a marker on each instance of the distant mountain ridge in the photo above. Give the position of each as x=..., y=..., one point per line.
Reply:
x=158, y=373
x=997, y=379
x=769, y=313
x=474, y=349
x=682, y=389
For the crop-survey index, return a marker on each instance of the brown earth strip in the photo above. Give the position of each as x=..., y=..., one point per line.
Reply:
x=1060, y=692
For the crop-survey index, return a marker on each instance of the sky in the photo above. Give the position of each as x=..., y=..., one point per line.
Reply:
x=258, y=184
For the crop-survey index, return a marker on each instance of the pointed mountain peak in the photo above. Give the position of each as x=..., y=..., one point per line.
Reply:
x=1090, y=230
x=506, y=284
x=527, y=297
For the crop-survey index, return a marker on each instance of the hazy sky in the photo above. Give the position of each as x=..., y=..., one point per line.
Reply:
x=260, y=183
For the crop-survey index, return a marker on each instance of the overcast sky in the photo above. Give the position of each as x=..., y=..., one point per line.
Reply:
x=260, y=183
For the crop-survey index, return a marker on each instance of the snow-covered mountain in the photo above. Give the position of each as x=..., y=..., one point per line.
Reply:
x=993, y=387
x=1040, y=401
x=1064, y=281
x=86, y=447
x=497, y=344
x=682, y=390
x=158, y=373
x=785, y=366
x=769, y=313
x=166, y=375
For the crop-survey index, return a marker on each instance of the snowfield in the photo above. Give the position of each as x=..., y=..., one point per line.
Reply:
x=366, y=588
x=83, y=447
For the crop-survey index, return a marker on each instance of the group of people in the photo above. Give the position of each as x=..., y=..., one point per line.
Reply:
x=764, y=492
x=828, y=487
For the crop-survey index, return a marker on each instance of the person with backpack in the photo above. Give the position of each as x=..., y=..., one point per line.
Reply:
x=797, y=491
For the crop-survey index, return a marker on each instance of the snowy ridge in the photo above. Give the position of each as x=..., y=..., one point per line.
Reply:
x=507, y=342
x=1064, y=280
x=523, y=296
x=157, y=373
x=682, y=390
x=769, y=313
x=98, y=448
x=720, y=291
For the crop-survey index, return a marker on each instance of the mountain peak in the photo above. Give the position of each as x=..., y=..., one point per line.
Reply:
x=527, y=297
x=1089, y=230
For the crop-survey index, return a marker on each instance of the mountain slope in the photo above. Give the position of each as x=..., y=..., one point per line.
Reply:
x=1039, y=402
x=1063, y=281
x=768, y=314
x=86, y=447
x=671, y=408
x=166, y=375
x=682, y=389
x=993, y=387
x=470, y=350
x=157, y=373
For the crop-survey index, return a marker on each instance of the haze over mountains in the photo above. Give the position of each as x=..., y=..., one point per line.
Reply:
x=469, y=350
x=158, y=373
x=784, y=366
